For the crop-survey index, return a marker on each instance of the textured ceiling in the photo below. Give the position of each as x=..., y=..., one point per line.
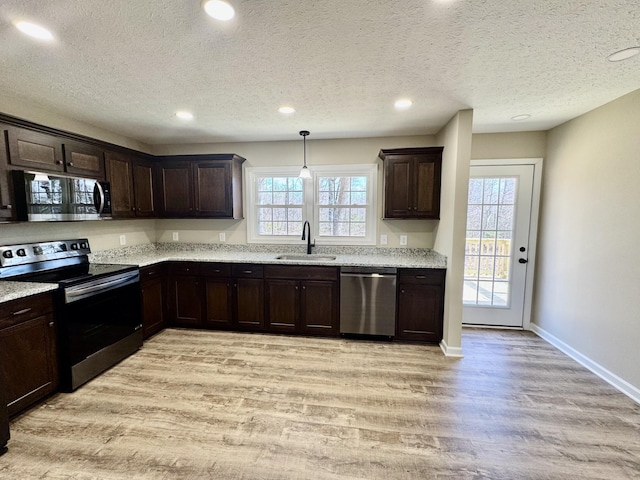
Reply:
x=128, y=65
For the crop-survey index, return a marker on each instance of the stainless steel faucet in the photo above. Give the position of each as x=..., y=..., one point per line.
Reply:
x=310, y=245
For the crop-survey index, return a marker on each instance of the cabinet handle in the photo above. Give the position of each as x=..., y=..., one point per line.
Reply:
x=402, y=291
x=5, y=207
x=217, y=270
x=248, y=272
x=21, y=312
x=421, y=277
x=51, y=324
x=58, y=162
x=296, y=287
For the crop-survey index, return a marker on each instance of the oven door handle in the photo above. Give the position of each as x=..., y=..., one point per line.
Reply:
x=78, y=293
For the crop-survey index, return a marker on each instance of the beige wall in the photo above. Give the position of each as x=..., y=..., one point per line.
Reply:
x=102, y=235
x=319, y=152
x=509, y=145
x=451, y=231
x=587, y=290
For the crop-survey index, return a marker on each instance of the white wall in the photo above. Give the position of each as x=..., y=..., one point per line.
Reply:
x=451, y=231
x=319, y=152
x=587, y=290
x=509, y=145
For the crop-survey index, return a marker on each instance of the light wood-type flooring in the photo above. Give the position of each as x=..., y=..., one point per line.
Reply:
x=222, y=405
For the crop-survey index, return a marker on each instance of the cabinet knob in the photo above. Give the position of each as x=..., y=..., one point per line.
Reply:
x=5, y=207
x=402, y=291
x=51, y=324
x=58, y=162
x=70, y=164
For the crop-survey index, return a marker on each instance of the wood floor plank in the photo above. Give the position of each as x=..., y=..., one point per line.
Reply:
x=224, y=405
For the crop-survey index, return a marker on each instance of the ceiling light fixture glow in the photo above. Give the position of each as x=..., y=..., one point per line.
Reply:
x=403, y=104
x=287, y=110
x=624, y=54
x=33, y=30
x=219, y=9
x=519, y=118
x=184, y=115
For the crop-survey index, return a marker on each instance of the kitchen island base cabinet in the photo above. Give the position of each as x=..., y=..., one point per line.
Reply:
x=420, y=307
x=28, y=358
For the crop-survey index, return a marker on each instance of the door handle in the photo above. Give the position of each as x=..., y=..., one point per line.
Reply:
x=522, y=260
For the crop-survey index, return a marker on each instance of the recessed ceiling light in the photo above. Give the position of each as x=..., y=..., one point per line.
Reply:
x=403, y=104
x=624, y=54
x=287, y=110
x=219, y=9
x=519, y=118
x=184, y=115
x=33, y=30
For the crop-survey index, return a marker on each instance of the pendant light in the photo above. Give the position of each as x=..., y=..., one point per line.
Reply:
x=304, y=172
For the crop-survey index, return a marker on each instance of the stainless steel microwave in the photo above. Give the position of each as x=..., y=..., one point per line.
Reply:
x=46, y=197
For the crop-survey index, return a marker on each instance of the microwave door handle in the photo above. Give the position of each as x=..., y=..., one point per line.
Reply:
x=98, y=197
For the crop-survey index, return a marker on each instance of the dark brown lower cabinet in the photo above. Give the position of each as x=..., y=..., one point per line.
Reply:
x=152, y=294
x=218, y=292
x=420, y=305
x=185, y=296
x=302, y=299
x=248, y=301
x=28, y=358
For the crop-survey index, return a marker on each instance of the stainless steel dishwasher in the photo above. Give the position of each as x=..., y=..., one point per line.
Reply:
x=368, y=300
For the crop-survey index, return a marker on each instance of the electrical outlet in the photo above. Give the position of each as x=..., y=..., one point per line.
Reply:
x=123, y=240
x=222, y=236
x=176, y=237
x=383, y=239
x=403, y=240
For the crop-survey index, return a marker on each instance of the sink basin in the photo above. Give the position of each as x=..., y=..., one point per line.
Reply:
x=307, y=258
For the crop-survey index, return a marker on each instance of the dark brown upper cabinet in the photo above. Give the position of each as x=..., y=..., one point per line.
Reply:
x=412, y=182
x=48, y=153
x=131, y=178
x=206, y=186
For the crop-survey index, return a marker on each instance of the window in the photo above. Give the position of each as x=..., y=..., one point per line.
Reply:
x=338, y=201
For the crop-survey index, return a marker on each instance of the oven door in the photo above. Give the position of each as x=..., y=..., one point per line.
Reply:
x=100, y=325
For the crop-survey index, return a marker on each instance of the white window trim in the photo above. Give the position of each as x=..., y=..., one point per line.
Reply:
x=310, y=210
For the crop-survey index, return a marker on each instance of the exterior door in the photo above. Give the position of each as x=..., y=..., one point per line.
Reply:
x=498, y=255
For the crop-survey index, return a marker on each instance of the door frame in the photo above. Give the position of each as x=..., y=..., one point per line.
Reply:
x=533, y=225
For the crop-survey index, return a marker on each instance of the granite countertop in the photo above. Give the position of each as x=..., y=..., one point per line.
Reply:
x=14, y=290
x=149, y=254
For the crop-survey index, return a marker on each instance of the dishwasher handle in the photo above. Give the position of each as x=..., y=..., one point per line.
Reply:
x=368, y=275
x=366, y=271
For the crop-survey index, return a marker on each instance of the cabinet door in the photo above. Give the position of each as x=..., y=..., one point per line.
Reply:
x=219, y=303
x=143, y=189
x=84, y=159
x=185, y=300
x=319, y=307
x=398, y=187
x=28, y=368
x=35, y=150
x=6, y=203
x=175, y=187
x=283, y=305
x=213, y=189
x=249, y=303
x=420, y=310
x=152, y=298
x=120, y=175
x=427, y=187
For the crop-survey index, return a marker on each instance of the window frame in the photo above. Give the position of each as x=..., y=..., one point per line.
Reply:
x=311, y=208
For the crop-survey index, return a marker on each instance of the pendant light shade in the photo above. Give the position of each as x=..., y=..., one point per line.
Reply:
x=304, y=172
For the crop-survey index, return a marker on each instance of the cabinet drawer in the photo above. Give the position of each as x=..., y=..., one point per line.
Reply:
x=215, y=269
x=184, y=268
x=23, y=309
x=247, y=270
x=152, y=272
x=422, y=276
x=301, y=273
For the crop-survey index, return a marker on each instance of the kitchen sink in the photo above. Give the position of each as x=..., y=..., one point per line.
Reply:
x=307, y=258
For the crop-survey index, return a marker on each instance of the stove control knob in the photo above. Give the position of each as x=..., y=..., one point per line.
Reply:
x=7, y=254
x=74, y=246
x=37, y=250
x=21, y=252
x=84, y=245
x=63, y=247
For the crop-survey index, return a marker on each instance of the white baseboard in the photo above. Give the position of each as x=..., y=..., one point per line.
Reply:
x=451, y=351
x=608, y=376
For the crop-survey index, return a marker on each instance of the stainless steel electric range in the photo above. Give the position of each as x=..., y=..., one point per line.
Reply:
x=97, y=305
